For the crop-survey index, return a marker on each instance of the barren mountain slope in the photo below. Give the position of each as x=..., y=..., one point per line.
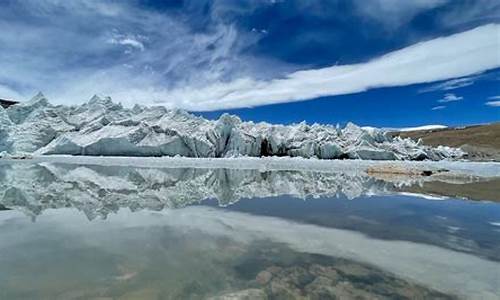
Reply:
x=481, y=142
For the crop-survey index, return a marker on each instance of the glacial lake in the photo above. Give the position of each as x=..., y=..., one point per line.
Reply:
x=84, y=231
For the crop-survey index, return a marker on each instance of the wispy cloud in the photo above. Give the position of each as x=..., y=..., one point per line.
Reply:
x=438, y=107
x=393, y=13
x=471, y=12
x=450, y=84
x=128, y=41
x=493, y=103
x=450, y=97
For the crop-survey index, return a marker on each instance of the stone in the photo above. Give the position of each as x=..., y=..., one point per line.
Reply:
x=264, y=277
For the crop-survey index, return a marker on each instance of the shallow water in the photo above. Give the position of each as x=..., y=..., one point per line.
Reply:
x=109, y=232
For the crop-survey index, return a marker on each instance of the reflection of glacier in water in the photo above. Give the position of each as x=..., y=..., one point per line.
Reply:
x=99, y=190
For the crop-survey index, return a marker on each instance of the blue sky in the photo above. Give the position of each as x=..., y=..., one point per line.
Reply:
x=388, y=63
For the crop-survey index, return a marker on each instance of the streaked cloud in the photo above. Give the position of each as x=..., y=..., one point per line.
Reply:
x=450, y=97
x=128, y=41
x=395, y=12
x=494, y=101
x=450, y=84
x=439, y=107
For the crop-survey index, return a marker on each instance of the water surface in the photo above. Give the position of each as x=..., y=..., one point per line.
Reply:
x=109, y=232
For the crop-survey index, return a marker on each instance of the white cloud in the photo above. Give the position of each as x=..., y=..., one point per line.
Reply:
x=459, y=55
x=127, y=41
x=450, y=98
x=494, y=97
x=493, y=103
x=438, y=107
x=450, y=84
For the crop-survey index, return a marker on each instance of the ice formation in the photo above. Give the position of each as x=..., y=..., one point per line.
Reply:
x=101, y=127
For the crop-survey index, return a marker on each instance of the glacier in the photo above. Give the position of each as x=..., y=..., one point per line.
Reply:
x=102, y=127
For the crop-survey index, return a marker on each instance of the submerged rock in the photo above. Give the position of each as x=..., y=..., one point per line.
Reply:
x=341, y=280
x=249, y=294
x=102, y=127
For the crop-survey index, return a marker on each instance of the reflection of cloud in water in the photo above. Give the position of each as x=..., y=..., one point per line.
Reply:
x=434, y=267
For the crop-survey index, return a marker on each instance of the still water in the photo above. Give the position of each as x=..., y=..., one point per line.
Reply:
x=71, y=231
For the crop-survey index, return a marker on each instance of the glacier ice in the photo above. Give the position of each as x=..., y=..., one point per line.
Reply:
x=101, y=127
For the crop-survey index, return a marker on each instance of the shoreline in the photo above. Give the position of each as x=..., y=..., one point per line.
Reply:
x=368, y=167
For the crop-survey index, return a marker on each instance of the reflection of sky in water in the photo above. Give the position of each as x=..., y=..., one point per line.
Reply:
x=378, y=243
x=456, y=224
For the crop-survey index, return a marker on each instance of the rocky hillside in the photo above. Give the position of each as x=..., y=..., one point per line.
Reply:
x=102, y=127
x=481, y=142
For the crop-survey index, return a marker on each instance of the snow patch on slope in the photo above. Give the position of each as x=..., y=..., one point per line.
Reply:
x=424, y=127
